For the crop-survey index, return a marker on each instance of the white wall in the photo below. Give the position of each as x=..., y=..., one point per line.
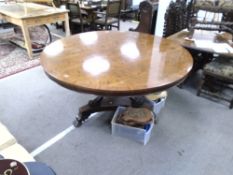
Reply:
x=163, y=4
x=136, y=2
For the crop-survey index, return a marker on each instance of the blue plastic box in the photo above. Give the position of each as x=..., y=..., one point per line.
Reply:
x=133, y=133
x=158, y=105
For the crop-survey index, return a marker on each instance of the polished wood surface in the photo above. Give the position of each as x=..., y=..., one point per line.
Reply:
x=207, y=41
x=116, y=63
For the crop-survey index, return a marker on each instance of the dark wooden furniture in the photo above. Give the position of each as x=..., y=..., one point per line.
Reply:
x=190, y=41
x=217, y=22
x=89, y=8
x=111, y=17
x=218, y=79
x=148, y=14
x=76, y=17
x=202, y=53
x=118, y=66
x=128, y=8
x=176, y=17
x=214, y=54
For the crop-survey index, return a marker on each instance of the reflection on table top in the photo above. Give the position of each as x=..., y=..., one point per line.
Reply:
x=116, y=63
x=208, y=41
x=28, y=10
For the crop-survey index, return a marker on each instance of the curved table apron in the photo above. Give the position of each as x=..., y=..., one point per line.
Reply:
x=115, y=65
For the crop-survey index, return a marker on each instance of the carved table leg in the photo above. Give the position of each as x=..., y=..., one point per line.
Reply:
x=110, y=104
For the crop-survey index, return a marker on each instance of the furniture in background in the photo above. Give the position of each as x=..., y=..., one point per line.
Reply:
x=176, y=17
x=40, y=36
x=89, y=8
x=147, y=17
x=111, y=17
x=218, y=79
x=120, y=67
x=128, y=8
x=214, y=17
x=195, y=43
x=28, y=15
x=76, y=17
x=213, y=53
x=204, y=41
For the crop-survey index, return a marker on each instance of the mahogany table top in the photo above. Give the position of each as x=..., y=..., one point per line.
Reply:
x=116, y=63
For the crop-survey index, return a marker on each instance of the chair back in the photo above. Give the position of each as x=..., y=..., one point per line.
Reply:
x=148, y=14
x=74, y=10
x=214, y=5
x=113, y=8
x=176, y=17
x=217, y=15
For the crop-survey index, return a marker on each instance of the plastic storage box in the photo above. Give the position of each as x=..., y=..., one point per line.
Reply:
x=158, y=105
x=137, y=134
x=159, y=99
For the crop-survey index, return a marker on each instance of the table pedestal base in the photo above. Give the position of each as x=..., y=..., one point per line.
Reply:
x=110, y=104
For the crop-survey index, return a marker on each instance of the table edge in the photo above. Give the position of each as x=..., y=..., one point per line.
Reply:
x=117, y=93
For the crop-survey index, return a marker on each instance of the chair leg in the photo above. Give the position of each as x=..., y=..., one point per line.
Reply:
x=81, y=27
x=200, y=86
x=231, y=104
x=106, y=27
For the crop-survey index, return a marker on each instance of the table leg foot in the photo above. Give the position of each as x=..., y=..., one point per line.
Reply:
x=77, y=123
x=110, y=104
x=80, y=119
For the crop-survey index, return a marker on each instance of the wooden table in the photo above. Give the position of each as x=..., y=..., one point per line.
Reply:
x=27, y=15
x=91, y=9
x=205, y=41
x=115, y=65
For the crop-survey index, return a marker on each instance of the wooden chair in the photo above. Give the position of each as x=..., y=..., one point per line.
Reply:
x=76, y=17
x=217, y=79
x=111, y=17
x=177, y=18
x=148, y=14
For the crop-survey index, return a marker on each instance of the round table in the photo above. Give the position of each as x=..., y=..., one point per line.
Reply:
x=115, y=65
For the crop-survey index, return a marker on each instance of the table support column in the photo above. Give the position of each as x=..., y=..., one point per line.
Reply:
x=110, y=104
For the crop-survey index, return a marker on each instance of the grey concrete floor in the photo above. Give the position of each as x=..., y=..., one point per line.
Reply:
x=193, y=135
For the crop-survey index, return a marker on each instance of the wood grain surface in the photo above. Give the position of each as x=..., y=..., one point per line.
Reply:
x=116, y=63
